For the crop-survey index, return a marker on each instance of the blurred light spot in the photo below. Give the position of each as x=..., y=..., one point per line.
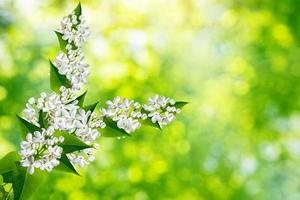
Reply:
x=5, y=147
x=281, y=124
x=248, y=165
x=137, y=40
x=269, y=151
x=3, y=93
x=241, y=87
x=236, y=180
x=27, y=7
x=135, y=174
x=229, y=18
x=141, y=195
x=279, y=63
x=252, y=187
x=130, y=150
x=293, y=147
x=78, y=195
x=70, y=183
x=5, y=122
x=210, y=164
x=295, y=122
x=99, y=47
x=183, y=147
x=282, y=35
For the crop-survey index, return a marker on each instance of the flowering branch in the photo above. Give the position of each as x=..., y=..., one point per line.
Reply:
x=59, y=131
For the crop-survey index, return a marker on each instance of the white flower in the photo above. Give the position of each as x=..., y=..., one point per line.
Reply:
x=83, y=157
x=40, y=150
x=161, y=110
x=126, y=113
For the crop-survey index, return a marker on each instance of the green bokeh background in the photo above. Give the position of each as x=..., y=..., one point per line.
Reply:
x=236, y=61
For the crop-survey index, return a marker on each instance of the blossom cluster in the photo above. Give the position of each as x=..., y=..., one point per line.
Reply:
x=72, y=64
x=41, y=150
x=161, y=110
x=126, y=113
x=63, y=114
x=62, y=111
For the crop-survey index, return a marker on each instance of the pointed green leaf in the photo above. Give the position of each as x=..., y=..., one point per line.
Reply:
x=109, y=132
x=24, y=184
x=7, y=177
x=57, y=80
x=65, y=165
x=62, y=43
x=113, y=125
x=91, y=107
x=150, y=123
x=71, y=143
x=42, y=119
x=27, y=127
x=1, y=179
x=81, y=98
x=77, y=10
x=180, y=104
x=7, y=163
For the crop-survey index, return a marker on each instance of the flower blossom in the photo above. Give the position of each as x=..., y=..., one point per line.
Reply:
x=62, y=111
x=126, y=113
x=161, y=110
x=41, y=150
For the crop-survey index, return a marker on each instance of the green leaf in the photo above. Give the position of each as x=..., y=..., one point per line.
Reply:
x=42, y=119
x=1, y=179
x=78, y=10
x=62, y=43
x=150, y=123
x=24, y=184
x=180, y=104
x=109, y=132
x=81, y=98
x=113, y=125
x=91, y=107
x=57, y=80
x=7, y=177
x=71, y=143
x=7, y=163
x=27, y=127
x=65, y=165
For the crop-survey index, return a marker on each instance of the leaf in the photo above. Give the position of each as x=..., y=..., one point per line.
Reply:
x=62, y=43
x=91, y=107
x=109, y=132
x=65, y=165
x=27, y=127
x=57, y=80
x=24, y=184
x=7, y=177
x=150, y=123
x=77, y=10
x=113, y=125
x=71, y=143
x=180, y=104
x=7, y=163
x=81, y=98
x=42, y=119
x=1, y=179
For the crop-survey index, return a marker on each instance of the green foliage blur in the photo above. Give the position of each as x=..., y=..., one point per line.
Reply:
x=236, y=61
